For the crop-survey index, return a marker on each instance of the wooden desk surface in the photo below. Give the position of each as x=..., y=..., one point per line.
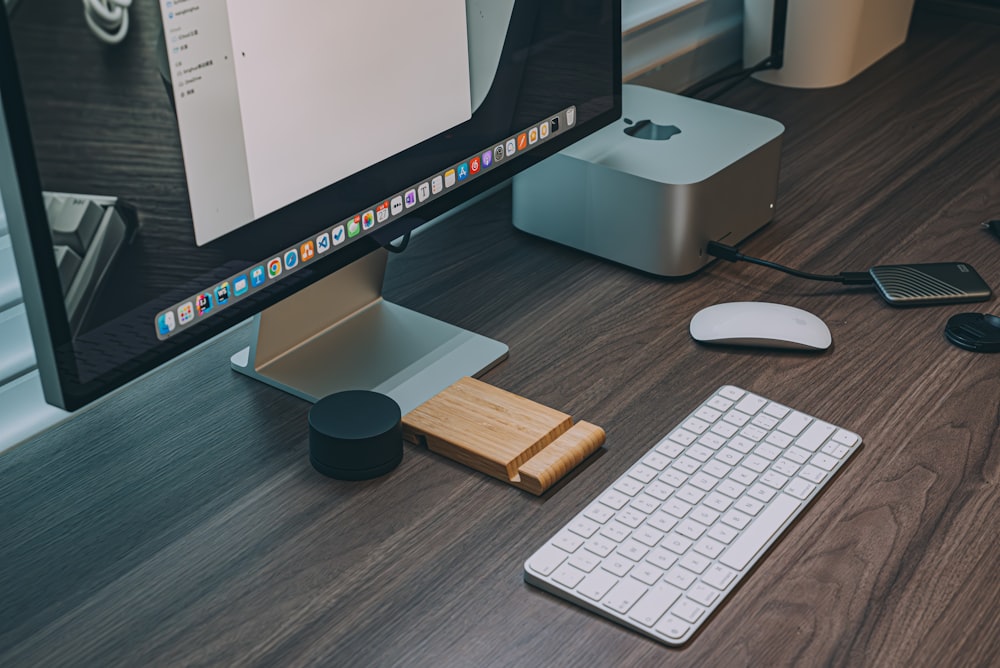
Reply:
x=179, y=521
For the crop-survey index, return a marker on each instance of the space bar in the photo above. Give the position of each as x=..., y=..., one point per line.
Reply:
x=746, y=547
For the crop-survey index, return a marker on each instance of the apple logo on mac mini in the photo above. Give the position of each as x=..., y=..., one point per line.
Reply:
x=647, y=129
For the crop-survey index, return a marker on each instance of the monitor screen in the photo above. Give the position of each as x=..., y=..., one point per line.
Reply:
x=225, y=155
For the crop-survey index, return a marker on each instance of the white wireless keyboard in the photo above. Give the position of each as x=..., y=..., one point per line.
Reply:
x=662, y=547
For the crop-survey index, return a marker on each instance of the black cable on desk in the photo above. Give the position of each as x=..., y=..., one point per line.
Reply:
x=732, y=254
x=740, y=76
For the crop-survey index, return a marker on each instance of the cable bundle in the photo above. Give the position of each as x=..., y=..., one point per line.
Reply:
x=108, y=19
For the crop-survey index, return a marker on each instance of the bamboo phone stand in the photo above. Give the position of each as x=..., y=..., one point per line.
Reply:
x=502, y=434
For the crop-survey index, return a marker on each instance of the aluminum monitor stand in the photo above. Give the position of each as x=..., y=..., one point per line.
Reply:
x=340, y=334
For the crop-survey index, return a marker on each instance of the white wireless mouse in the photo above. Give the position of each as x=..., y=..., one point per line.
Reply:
x=760, y=324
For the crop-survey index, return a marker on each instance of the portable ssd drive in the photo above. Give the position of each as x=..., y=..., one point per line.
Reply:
x=935, y=283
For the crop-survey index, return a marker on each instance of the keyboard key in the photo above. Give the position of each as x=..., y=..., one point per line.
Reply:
x=656, y=602
x=568, y=576
x=615, y=500
x=813, y=474
x=633, y=549
x=729, y=456
x=741, y=445
x=746, y=547
x=547, y=559
x=689, y=494
x=647, y=573
x=672, y=627
x=753, y=433
x=835, y=450
x=695, y=425
x=724, y=429
x=755, y=463
x=845, y=437
x=567, y=541
x=683, y=437
x=825, y=462
x=648, y=536
x=716, y=468
x=718, y=502
x=686, y=465
x=748, y=505
x=631, y=518
x=800, y=488
x=720, y=403
x=680, y=577
x=661, y=558
x=628, y=486
x=713, y=441
x=616, y=531
x=773, y=479
x=599, y=513
x=624, y=595
x=815, y=436
x=731, y=489
x=596, y=585
x=736, y=418
x=676, y=543
x=617, y=564
x=722, y=533
x=732, y=393
x=673, y=477
x=744, y=476
x=779, y=439
x=669, y=449
x=786, y=466
x=767, y=451
x=706, y=516
x=662, y=522
x=765, y=422
x=776, y=410
x=794, y=423
x=676, y=507
x=718, y=576
x=645, y=504
x=797, y=455
x=602, y=547
x=703, y=594
x=584, y=527
x=585, y=561
x=659, y=490
x=690, y=529
x=707, y=414
x=699, y=452
x=643, y=473
x=688, y=610
x=761, y=492
x=709, y=547
x=73, y=221
x=656, y=461
x=736, y=519
x=751, y=403
x=695, y=562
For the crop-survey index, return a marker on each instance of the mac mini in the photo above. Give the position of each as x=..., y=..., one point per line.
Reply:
x=652, y=189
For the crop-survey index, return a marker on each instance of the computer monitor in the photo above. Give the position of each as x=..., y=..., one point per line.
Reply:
x=253, y=158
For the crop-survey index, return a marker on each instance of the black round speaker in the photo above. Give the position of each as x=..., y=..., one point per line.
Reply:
x=355, y=435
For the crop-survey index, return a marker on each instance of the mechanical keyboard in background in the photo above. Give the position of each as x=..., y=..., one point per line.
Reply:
x=88, y=232
x=663, y=546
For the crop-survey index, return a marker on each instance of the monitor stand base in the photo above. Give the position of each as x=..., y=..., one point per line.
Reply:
x=340, y=334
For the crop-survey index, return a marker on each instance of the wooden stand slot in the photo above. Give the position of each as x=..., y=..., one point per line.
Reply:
x=502, y=434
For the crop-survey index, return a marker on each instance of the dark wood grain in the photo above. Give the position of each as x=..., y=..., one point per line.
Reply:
x=179, y=522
